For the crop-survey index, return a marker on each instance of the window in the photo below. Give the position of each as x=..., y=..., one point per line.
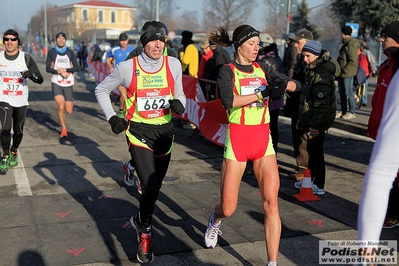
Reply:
x=126, y=18
x=113, y=16
x=100, y=16
x=85, y=15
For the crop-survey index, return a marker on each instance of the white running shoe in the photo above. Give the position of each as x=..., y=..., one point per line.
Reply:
x=129, y=174
x=212, y=232
x=317, y=190
x=298, y=184
x=130, y=179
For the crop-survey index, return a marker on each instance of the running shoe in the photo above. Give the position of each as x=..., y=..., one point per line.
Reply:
x=212, y=233
x=13, y=159
x=144, y=237
x=338, y=114
x=129, y=174
x=64, y=133
x=348, y=116
x=4, y=163
x=130, y=179
x=390, y=223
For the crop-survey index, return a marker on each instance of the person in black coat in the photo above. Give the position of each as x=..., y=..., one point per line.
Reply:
x=317, y=108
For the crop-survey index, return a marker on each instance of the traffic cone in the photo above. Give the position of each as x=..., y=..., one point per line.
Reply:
x=306, y=191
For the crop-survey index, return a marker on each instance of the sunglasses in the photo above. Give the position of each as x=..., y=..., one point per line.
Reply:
x=5, y=39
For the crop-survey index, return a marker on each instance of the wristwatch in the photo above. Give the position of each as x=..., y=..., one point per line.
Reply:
x=259, y=94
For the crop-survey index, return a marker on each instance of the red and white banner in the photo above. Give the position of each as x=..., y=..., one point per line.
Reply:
x=209, y=117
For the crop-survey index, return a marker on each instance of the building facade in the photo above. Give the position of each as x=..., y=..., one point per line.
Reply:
x=95, y=21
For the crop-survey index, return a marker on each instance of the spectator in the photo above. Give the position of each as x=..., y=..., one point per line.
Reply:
x=82, y=55
x=299, y=139
x=16, y=68
x=171, y=49
x=390, y=45
x=97, y=54
x=290, y=55
x=368, y=63
x=149, y=131
x=317, y=108
x=268, y=53
x=220, y=58
x=206, y=55
x=106, y=49
x=189, y=57
x=249, y=117
x=347, y=59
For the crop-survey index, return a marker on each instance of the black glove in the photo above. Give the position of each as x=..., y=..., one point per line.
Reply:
x=26, y=74
x=277, y=93
x=176, y=106
x=265, y=92
x=118, y=124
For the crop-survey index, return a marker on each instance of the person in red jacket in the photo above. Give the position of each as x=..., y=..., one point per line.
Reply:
x=390, y=44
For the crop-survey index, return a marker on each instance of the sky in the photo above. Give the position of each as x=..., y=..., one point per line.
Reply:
x=17, y=13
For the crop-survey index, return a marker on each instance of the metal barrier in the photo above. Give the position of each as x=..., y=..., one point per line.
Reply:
x=208, y=83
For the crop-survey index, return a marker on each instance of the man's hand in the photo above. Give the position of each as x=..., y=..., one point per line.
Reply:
x=176, y=106
x=118, y=124
x=26, y=74
x=313, y=133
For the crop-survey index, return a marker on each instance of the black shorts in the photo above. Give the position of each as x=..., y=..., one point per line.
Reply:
x=67, y=92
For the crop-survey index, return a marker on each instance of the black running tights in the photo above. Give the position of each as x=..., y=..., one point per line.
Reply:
x=151, y=171
x=11, y=117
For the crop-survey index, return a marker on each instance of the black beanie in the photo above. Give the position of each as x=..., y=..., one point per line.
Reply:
x=347, y=30
x=392, y=30
x=148, y=23
x=60, y=34
x=13, y=33
x=153, y=30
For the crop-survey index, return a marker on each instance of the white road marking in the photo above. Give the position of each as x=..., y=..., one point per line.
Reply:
x=21, y=180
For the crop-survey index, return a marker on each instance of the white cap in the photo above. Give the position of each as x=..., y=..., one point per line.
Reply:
x=107, y=46
x=265, y=39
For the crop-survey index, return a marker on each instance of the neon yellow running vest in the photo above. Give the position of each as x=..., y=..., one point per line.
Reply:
x=148, y=95
x=245, y=83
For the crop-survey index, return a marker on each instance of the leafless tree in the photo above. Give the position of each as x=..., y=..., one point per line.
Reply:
x=274, y=22
x=230, y=13
x=189, y=21
x=329, y=30
x=146, y=10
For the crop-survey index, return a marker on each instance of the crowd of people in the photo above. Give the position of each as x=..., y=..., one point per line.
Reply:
x=254, y=88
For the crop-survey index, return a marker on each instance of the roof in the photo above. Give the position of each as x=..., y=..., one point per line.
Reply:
x=97, y=3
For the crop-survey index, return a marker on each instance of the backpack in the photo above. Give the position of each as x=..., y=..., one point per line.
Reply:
x=364, y=63
x=360, y=77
